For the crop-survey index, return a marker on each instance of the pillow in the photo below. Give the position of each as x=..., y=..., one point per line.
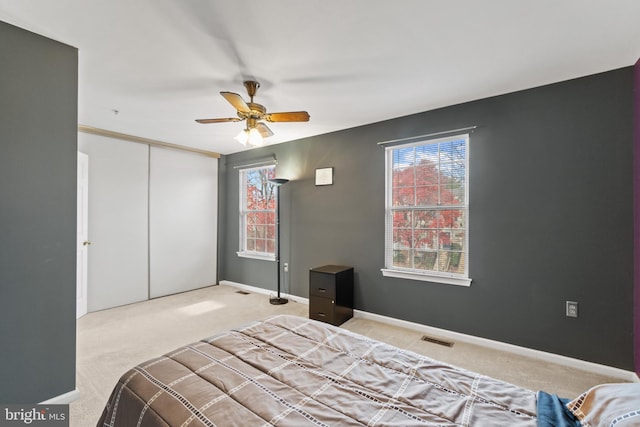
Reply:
x=608, y=405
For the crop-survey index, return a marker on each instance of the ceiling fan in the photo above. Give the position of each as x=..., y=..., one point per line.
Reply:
x=253, y=113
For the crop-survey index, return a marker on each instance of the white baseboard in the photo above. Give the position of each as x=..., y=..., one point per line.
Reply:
x=257, y=290
x=501, y=346
x=63, y=399
x=483, y=342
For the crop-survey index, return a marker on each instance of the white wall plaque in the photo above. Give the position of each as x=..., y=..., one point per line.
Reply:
x=324, y=176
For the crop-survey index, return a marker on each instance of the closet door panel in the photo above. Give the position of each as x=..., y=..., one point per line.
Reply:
x=118, y=210
x=183, y=202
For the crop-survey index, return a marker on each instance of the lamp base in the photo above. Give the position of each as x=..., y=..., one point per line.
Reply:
x=278, y=301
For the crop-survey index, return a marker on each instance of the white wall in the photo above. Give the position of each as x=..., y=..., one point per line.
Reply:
x=152, y=221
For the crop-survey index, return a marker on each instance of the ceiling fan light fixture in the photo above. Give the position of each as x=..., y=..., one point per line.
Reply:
x=242, y=137
x=251, y=136
x=255, y=138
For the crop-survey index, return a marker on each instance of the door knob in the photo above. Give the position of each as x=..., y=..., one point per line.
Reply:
x=86, y=242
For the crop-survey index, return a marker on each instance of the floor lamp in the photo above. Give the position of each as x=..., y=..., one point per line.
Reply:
x=278, y=182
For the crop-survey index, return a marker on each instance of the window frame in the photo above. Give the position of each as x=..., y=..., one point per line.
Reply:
x=243, y=211
x=460, y=279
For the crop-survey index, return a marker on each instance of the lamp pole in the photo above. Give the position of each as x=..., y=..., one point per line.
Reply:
x=278, y=182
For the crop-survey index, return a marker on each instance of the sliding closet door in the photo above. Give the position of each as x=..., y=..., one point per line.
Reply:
x=183, y=203
x=118, y=194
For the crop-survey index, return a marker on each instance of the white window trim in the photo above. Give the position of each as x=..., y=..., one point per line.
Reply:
x=242, y=238
x=256, y=255
x=426, y=276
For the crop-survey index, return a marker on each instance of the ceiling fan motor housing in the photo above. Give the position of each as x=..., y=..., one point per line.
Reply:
x=257, y=110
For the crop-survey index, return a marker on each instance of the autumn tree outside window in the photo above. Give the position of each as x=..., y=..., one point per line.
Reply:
x=257, y=213
x=427, y=211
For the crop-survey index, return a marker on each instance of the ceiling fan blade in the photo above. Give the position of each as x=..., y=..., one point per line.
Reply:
x=264, y=130
x=206, y=121
x=291, y=116
x=237, y=101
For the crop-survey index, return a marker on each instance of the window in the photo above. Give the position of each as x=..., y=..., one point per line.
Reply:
x=427, y=211
x=257, y=213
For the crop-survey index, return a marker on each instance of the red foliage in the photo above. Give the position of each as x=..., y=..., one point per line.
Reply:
x=430, y=221
x=261, y=206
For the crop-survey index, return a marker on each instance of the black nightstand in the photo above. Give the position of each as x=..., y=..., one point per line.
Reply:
x=331, y=294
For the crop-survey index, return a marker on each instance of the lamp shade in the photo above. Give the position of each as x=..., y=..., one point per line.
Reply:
x=278, y=181
x=242, y=137
x=251, y=136
x=255, y=138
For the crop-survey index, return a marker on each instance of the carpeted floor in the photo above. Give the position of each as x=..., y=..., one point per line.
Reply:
x=112, y=341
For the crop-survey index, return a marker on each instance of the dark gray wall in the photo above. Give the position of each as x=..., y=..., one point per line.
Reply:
x=38, y=132
x=551, y=218
x=636, y=214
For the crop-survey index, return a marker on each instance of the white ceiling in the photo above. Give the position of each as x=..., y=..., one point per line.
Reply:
x=162, y=63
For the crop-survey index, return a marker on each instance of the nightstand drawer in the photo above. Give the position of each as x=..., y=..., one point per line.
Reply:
x=322, y=309
x=322, y=285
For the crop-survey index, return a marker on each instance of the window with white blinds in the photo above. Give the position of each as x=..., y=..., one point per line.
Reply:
x=257, y=213
x=427, y=211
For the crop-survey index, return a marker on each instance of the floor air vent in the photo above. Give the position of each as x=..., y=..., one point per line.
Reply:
x=243, y=292
x=437, y=341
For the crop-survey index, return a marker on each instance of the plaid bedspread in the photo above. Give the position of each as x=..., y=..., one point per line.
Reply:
x=291, y=371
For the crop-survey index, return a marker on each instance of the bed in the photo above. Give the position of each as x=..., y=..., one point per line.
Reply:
x=292, y=371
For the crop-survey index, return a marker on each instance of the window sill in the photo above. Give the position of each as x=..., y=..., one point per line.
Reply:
x=253, y=255
x=458, y=281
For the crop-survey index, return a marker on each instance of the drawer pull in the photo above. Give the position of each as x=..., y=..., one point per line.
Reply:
x=322, y=290
x=321, y=314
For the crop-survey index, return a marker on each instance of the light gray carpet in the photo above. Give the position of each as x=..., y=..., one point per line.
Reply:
x=112, y=341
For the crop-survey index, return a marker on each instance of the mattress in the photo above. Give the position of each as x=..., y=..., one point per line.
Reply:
x=293, y=371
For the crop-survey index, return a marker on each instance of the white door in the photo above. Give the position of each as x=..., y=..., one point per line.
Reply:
x=82, y=235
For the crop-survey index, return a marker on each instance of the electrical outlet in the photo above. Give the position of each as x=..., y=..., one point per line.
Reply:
x=572, y=309
x=286, y=267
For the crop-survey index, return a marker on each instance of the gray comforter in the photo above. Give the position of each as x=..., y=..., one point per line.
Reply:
x=291, y=371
